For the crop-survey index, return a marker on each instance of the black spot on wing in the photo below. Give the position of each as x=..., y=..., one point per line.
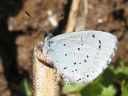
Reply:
x=87, y=76
x=82, y=44
x=66, y=54
x=79, y=79
x=85, y=61
x=64, y=77
x=99, y=46
x=93, y=35
x=64, y=44
x=87, y=56
x=78, y=49
x=74, y=63
x=99, y=41
x=65, y=67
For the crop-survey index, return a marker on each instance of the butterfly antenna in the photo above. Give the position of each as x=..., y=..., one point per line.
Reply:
x=40, y=25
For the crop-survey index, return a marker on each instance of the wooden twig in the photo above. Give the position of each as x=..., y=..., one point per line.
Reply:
x=81, y=18
x=72, y=16
x=77, y=22
x=85, y=7
x=45, y=79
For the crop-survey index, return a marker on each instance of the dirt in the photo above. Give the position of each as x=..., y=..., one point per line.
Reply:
x=19, y=33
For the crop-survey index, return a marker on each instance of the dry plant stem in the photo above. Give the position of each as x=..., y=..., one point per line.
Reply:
x=85, y=7
x=45, y=79
x=72, y=16
x=81, y=18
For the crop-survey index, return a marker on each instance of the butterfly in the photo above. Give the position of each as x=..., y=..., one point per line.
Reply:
x=80, y=56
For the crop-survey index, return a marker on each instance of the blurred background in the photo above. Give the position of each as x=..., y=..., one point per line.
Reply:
x=19, y=34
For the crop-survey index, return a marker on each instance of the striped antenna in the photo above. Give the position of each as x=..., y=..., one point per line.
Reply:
x=40, y=25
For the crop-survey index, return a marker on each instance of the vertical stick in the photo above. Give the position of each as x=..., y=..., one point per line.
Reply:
x=77, y=22
x=45, y=79
x=81, y=18
x=72, y=16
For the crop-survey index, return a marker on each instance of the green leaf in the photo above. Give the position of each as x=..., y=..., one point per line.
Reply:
x=27, y=88
x=120, y=62
x=73, y=87
x=122, y=73
x=125, y=70
x=108, y=91
x=108, y=77
x=124, y=89
x=93, y=89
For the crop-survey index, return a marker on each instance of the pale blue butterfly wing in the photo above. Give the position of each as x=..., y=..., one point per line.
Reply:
x=80, y=56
